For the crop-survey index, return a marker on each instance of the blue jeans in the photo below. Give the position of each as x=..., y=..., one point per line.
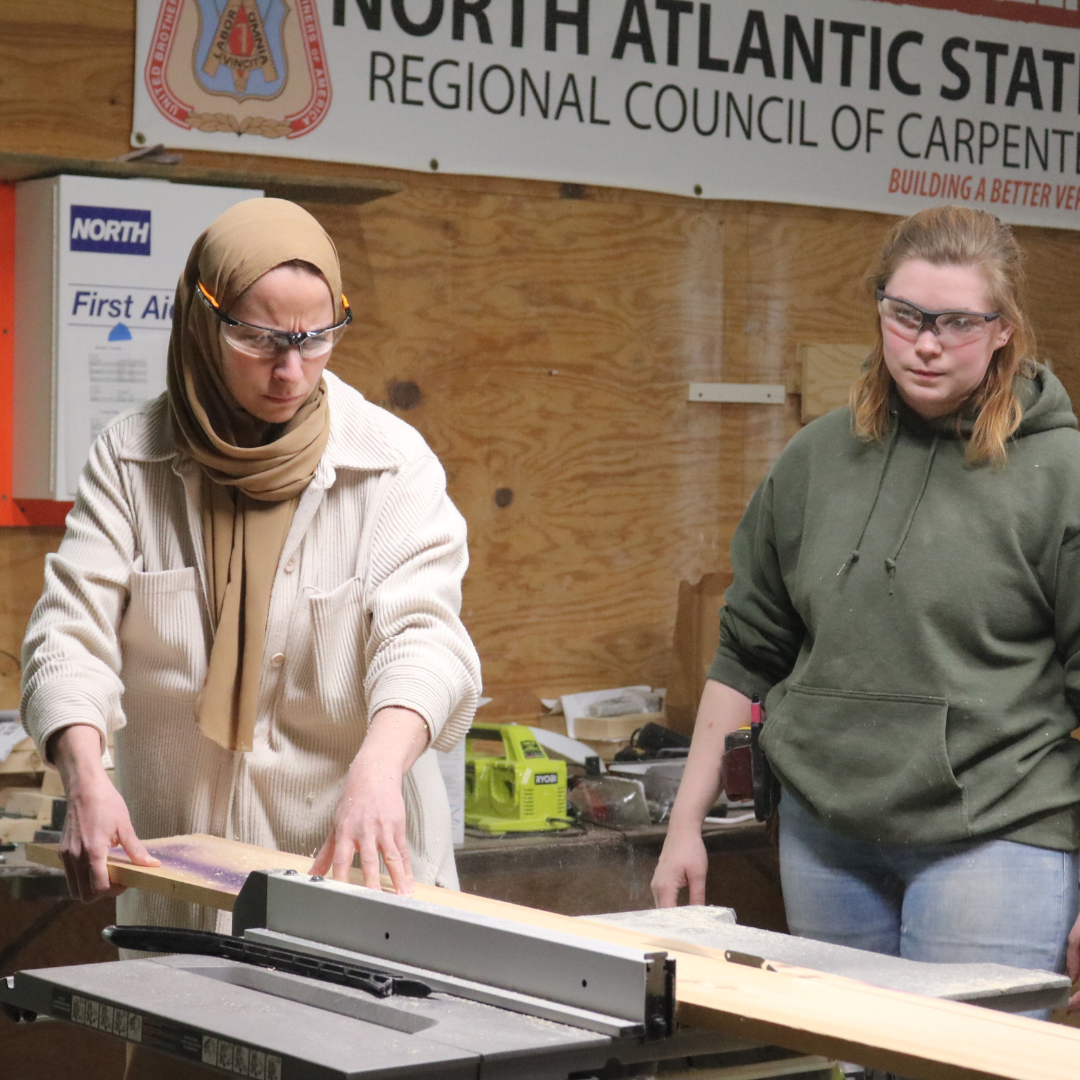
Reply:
x=973, y=901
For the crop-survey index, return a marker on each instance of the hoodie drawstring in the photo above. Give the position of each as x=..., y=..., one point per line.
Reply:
x=853, y=558
x=890, y=563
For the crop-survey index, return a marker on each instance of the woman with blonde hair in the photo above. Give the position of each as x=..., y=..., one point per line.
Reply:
x=906, y=603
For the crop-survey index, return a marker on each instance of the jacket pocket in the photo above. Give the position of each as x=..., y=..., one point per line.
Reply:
x=873, y=766
x=338, y=624
x=163, y=634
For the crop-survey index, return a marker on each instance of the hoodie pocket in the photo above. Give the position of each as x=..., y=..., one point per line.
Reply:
x=873, y=766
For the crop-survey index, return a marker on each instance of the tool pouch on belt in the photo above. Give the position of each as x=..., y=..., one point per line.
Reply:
x=766, y=786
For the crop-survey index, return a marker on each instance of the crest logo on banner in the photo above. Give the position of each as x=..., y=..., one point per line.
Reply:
x=255, y=67
x=238, y=42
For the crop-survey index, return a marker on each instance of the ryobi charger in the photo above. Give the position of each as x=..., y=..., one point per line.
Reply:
x=519, y=790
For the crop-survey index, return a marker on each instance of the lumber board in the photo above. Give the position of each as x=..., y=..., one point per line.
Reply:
x=22, y=761
x=196, y=869
x=697, y=630
x=809, y=1011
x=18, y=830
x=22, y=573
x=614, y=728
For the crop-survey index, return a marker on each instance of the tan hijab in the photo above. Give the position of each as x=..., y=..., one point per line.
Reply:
x=254, y=472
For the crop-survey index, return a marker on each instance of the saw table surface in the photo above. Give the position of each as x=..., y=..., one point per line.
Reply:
x=993, y=985
x=215, y=1012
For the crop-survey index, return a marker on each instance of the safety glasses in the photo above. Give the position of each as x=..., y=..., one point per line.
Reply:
x=266, y=343
x=951, y=327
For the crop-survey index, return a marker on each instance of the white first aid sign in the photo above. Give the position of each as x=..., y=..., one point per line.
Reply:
x=97, y=262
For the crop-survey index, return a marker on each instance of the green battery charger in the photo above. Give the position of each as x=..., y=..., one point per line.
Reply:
x=520, y=789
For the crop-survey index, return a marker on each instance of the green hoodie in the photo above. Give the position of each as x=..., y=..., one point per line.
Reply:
x=913, y=626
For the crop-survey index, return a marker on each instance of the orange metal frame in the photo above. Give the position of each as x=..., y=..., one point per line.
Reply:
x=14, y=511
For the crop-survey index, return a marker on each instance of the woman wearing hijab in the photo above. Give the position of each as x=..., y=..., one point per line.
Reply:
x=258, y=593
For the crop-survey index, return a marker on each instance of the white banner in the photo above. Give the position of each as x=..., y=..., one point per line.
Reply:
x=864, y=104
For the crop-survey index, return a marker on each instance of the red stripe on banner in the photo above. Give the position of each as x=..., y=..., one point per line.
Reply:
x=1001, y=9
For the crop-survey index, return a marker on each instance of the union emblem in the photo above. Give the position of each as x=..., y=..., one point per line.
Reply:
x=255, y=67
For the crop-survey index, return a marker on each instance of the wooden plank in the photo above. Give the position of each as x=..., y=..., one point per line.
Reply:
x=613, y=728
x=196, y=869
x=22, y=761
x=827, y=374
x=22, y=576
x=697, y=633
x=281, y=185
x=29, y=802
x=18, y=830
x=805, y=1010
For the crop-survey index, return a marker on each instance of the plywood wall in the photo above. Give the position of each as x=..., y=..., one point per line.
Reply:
x=543, y=345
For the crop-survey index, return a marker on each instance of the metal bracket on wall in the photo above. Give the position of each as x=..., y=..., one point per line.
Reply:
x=740, y=393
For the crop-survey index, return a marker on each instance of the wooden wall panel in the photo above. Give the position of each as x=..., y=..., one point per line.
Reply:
x=67, y=76
x=22, y=575
x=551, y=341
x=1053, y=301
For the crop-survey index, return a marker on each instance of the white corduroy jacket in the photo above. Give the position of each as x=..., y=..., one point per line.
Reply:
x=363, y=614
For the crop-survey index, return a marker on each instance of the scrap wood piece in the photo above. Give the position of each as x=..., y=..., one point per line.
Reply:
x=808, y=1011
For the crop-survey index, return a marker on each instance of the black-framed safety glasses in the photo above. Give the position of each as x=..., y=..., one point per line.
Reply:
x=265, y=342
x=951, y=327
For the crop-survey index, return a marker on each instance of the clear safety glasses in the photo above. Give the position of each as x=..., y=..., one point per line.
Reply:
x=951, y=327
x=264, y=342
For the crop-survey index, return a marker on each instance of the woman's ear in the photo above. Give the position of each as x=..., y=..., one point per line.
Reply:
x=1001, y=337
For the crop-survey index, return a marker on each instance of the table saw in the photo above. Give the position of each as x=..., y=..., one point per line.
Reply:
x=329, y=980
x=482, y=998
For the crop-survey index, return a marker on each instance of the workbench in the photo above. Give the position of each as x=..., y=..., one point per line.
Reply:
x=610, y=870
x=41, y=926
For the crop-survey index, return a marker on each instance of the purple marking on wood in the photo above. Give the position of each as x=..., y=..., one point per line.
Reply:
x=176, y=857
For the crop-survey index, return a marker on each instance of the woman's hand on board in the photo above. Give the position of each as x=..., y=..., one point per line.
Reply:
x=684, y=862
x=370, y=815
x=97, y=817
x=683, y=865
